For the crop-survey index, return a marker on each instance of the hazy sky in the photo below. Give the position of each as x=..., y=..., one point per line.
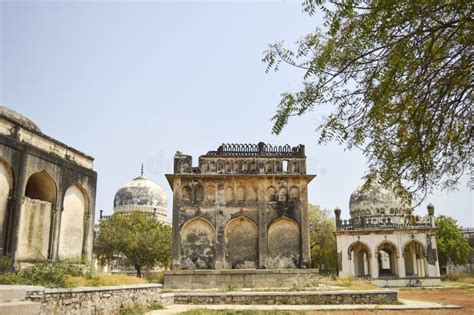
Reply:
x=130, y=82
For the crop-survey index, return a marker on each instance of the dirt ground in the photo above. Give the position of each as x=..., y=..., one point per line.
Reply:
x=463, y=297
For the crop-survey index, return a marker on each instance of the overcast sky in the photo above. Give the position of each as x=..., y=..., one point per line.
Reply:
x=134, y=82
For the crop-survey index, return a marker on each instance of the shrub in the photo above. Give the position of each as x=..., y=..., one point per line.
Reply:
x=155, y=277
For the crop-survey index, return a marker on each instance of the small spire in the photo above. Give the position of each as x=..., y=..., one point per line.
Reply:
x=142, y=170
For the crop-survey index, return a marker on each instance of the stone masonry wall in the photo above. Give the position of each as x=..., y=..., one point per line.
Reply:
x=101, y=300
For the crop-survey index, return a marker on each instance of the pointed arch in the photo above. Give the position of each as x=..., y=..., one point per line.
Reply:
x=73, y=218
x=359, y=253
x=271, y=194
x=414, y=256
x=241, y=243
x=35, y=218
x=284, y=243
x=6, y=188
x=198, y=244
x=387, y=255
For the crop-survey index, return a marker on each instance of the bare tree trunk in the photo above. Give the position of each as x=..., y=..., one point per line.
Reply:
x=139, y=271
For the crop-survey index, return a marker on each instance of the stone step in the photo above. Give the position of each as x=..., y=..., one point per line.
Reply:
x=11, y=293
x=20, y=308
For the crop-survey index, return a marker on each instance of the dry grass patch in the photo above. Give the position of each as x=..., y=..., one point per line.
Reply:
x=350, y=283
x=103, y=280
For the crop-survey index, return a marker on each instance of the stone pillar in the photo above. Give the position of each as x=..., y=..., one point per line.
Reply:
x=89, y=226
x=401, y=266
x=56, y=219
x=304, y=225
x=220, y=226
x=176, y=259
x=374, y=266
x=262, y=227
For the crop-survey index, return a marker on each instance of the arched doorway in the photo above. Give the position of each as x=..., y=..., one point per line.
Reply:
x=71, y=235
x=283, y=244
x=415, y=259
x=35, y=218
x=360, y=256
x=6, y=183
x=387, y=259
x=197, y=245
x=241, y=244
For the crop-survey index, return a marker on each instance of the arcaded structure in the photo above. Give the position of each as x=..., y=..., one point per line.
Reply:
x=47, y=194
x=243, y=207
x=385, y=242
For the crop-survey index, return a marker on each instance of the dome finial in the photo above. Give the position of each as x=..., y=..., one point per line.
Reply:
x=142, y=170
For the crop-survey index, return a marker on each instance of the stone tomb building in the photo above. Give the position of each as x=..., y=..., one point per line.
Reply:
x=244, y=207
x=383, y=242
x=47, y=194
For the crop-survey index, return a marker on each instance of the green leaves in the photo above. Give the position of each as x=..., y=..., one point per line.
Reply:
x=397, y=74
x=451, y=243
x=137, y=240
x=323, y=242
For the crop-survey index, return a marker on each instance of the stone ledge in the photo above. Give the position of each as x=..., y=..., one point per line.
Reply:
x=241, y=271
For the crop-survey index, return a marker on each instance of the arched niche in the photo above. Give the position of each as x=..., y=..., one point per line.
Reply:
x=6, y=185
x=186, y=193
x=240, y=193
x=252, y=193
x=268, y=167
x=211, y=193
x=236, y=167
x=360, y=255
x=71, y=231
x=35, y=218
x=283, y=194
x=229, y=193
x=212, y=166
x=204, y=167
x=414, y=259
x=228, y=167
x=271, y=194
x=283, y=244
x=198, y=193
x=241, y=244
x=197, y=244
x=294, y=193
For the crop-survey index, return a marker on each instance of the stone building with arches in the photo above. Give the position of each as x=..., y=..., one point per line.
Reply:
x=47, y=194
x=384, y=242
x=243, y=207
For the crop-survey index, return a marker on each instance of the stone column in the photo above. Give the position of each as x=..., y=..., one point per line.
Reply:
x=220, y=226
x=374, y=266
x=57, y=210
x=262, y=226
x=401, y=266
x=304, y=224
x=176, y=259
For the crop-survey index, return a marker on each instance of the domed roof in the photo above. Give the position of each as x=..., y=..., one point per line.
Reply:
x=18, y=118
x=377, y=200
x=141, y=195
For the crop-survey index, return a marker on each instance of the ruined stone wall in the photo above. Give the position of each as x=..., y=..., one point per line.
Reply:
x=240, y=212
x=39, y=195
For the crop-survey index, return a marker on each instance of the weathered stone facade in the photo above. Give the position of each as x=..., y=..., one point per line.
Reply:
x=47, y=194
x=243, y=207
x=384, y=242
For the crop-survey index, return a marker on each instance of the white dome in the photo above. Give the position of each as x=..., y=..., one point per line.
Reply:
x=141, y=195
x=375, y=201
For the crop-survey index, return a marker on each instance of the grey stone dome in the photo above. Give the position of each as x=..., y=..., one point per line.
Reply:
x=18, y=118
x=375, y=201
x=141, y=195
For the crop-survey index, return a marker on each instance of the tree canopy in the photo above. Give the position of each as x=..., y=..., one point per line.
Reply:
x=137, y=240
x=452, y=245
x=322, y=239
x=398, y=75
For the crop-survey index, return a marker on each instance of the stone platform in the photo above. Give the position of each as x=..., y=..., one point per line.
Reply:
x=289, y=298
x=243, y=278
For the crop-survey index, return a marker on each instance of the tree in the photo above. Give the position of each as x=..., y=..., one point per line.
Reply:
x=398, y=77
x=323, y=241
x=451, y=243
x=137, y=240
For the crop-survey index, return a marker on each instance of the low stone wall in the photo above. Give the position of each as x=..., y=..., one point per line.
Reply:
x=243, y=278
x=407, y=282
x=100, y=300
x=291, y=298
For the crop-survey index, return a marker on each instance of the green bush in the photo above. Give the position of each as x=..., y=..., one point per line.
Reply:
x=47, y=274
x=155, y=277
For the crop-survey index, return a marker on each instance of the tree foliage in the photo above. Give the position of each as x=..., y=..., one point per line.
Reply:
x=137, y=240
x=398, y=75
x=323, y=241
x=451, y=243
